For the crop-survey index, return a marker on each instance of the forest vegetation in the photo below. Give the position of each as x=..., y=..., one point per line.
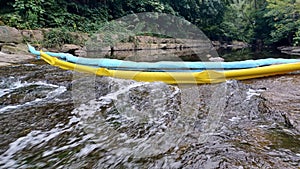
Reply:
x=270, y=22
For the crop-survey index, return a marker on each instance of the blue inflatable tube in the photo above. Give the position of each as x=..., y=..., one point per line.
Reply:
x=163, y=65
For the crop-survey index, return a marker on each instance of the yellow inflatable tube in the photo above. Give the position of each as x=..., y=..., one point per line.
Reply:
x=206, y=76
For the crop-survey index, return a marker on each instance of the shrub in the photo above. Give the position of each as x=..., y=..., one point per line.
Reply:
x=58, y=37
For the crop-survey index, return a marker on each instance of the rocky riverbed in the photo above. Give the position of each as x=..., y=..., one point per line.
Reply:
x=55, y=118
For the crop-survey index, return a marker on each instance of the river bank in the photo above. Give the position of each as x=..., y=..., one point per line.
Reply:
x=13, y=45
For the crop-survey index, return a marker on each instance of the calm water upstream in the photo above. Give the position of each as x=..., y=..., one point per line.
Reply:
x=52, y=118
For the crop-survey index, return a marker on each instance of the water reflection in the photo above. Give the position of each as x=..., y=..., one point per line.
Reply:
x=230, y=54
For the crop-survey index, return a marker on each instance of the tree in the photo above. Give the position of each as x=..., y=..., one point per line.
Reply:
x=285, y=20
x=238, y=22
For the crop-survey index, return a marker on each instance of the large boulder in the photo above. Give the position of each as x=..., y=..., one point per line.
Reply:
x=14, y=49
x=70, y=48
x=33, y=35
x=10, y=35
x=8, y=59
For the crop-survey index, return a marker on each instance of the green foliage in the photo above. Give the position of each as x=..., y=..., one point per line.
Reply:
x=262, y=28
x=246, y=20
x=58, y=37
x=238, y=23
x=285, y=20
x=296, y=39
x=206, y=14
x=26, y=10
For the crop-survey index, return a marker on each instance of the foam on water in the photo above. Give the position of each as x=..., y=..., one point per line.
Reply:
x=57, y=90
x=252, y=92
x=34, y=138
x=38, y=138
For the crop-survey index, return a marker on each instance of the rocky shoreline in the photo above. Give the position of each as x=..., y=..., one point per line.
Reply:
x=13, y=46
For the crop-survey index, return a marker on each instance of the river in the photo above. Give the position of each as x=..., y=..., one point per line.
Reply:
x=52, y=118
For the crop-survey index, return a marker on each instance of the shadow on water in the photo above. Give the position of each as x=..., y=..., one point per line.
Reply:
x=230, y=54
x=52, y=118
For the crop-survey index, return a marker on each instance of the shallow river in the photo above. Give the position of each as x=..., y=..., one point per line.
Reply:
x=52, y=118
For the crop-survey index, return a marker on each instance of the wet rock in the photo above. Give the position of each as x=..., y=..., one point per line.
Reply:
x=10, y=35
x=281, y=98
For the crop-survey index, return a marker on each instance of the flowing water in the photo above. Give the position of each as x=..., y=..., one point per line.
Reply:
x=52, y=118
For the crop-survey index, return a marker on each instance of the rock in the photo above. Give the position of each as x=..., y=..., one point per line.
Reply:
x=193, y=43
x=33, y=35
x=239, y=43
x=172, y=46
x=163, y=46
x=80, y=53
x=123, y=46
x=8, y=59
x=287, y=48
x=81, y=37
x=10, y=35
x=4, y=64
x=297, y=50
x=290, y=50
x=68, y=48
x=147, y=46
x=146, y=39
x=167, y=40
x=216, y=43
x=296, y=54
x=282, y=98
x=15, y=49
x=216, y=59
